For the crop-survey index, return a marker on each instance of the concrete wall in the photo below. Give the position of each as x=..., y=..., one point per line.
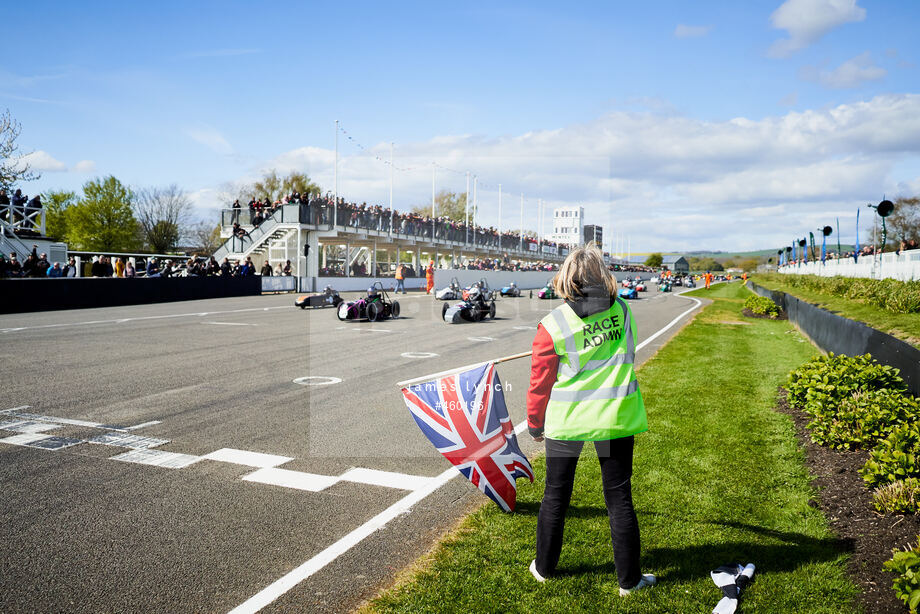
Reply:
x=525, y=280
x=349, y=284
x=833, y=333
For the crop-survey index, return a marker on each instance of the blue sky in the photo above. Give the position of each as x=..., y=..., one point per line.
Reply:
x=695, y=119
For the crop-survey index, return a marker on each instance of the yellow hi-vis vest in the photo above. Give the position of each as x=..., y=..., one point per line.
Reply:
x=596, y=396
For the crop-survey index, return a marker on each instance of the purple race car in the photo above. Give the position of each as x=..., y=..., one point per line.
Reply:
x=375, y=306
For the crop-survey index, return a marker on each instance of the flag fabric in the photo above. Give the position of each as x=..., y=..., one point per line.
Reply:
x=464, y=415
x=731, y=580
x=823, y=248
x=856, y=249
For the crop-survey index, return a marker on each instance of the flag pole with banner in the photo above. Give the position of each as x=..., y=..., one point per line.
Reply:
x=856, y=249
x=463, y=413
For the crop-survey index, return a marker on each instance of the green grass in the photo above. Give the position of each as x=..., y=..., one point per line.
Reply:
x=905, y=326
x=719, y=478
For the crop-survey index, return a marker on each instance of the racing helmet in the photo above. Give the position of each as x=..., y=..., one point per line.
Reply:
x=514, y=284
x=328, y=289
x=474, y=292
x=372, y=291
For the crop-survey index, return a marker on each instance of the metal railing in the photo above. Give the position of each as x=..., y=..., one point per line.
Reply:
x=15, y=218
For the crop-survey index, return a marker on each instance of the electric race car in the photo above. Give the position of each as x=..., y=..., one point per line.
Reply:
x=475, y=307
x=451, y=293
x=327, y=298
x=375, y=306
x=629, y=293
x=547, y=291
x=511, y=290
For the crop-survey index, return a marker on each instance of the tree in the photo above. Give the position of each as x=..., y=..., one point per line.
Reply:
x=904, y=222
x=56, y=204
x=103, y=219
x=447, y=204
x=205, y=238
x=164, y=215
x=729, y=264
x=12, y=168
x=750, y=264
x=654, y=260
x=705, y=264
x=273, y=187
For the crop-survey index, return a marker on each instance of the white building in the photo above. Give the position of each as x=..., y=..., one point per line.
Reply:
x=568, y=225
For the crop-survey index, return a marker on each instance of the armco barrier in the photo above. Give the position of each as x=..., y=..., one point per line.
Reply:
x=278, y=283
x=525, y=280
x=21, y=295
x=833, y=333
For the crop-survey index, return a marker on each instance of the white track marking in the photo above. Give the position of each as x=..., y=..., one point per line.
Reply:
x=244, y=457
x=159, y=458
x=320, y=380
x=142, y=425
x=14, y=409
x=137, y=319
x=24, y=439
x=229, y=323
x=403, y=506
x=291, y=479
x=418, y=354
x=28, y=426
x=123, y=440
x=524, y=327
x=481, y=338
x=70, y=422
x=390, y=479
x=346, y=543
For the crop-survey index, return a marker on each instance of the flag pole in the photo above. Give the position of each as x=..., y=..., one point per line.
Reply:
x=494, y=361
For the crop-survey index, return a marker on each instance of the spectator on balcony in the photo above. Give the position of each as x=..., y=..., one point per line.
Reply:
x=266, y=269
x=14, y=267
x=129, y=269
x=287, y=269
x=237, y=207
x=17, y=204
x=41, y=265
x=226, y=269
x=33, y=208
x=238, y=231
x=212, y=268
x=55, y=270
x=119, y=267
x=153, y=269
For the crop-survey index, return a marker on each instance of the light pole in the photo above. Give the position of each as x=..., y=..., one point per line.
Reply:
x=884, y=209
x=335, y=180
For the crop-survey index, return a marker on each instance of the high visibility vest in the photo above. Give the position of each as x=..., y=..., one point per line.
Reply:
x=596, y=396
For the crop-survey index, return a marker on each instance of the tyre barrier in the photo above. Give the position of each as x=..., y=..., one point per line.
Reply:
x=834, y=333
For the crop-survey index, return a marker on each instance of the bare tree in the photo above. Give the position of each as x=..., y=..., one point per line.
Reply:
x=12, y=168
x=164, y=214
x=205, y=237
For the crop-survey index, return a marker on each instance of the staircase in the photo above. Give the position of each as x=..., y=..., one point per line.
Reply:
x=257, y=241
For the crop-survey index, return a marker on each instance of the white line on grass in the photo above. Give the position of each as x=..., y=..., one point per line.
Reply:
x=403, y=506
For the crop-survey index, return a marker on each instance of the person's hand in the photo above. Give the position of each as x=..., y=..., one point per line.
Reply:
x=538, y=439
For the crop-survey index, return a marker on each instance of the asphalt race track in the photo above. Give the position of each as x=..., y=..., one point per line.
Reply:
x=182, y=457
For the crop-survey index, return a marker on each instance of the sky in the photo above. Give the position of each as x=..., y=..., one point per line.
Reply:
x=678, y=125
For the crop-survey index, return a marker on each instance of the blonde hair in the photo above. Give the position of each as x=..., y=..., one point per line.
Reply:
x=582, y=268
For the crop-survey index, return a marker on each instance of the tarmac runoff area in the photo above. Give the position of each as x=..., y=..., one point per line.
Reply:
x=237, y=454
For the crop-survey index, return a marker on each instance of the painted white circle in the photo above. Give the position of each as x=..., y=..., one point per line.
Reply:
x=317, y=380
x=418, y=354
x=480, y=338
x=524, y=327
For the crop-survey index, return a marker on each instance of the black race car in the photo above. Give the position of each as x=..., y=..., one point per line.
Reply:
x=476, y=306
x=327, y=298
x=375, y=306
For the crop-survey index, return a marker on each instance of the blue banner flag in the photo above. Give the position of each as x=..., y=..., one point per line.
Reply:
x=465, y=417
x=856, y=249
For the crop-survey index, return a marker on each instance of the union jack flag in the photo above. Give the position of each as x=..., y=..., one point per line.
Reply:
x=465, y=417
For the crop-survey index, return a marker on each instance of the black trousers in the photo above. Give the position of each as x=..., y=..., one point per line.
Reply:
x=615, y=457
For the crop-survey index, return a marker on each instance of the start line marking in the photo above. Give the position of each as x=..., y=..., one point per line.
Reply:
x=418, y=354
x=324, y=380
x=294, y=577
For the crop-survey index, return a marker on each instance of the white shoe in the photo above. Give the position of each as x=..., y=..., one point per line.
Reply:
x=647, y=580
x=535, y=573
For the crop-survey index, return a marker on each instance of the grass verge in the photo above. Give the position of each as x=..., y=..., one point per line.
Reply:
x=904, y=326
x=719, y=478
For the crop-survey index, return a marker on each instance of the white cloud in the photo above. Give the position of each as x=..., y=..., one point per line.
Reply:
x=42, y=161
x=84, y=166
x=806, y=21
x=850, y=75
x=685, y=31
x=666, y=180
x=211, y=138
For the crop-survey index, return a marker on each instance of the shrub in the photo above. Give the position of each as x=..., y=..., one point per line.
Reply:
x=761, y=305
x=824, y=381
x=901, y=497
x=897, y=457
x=906, y=563
x=862, y=419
